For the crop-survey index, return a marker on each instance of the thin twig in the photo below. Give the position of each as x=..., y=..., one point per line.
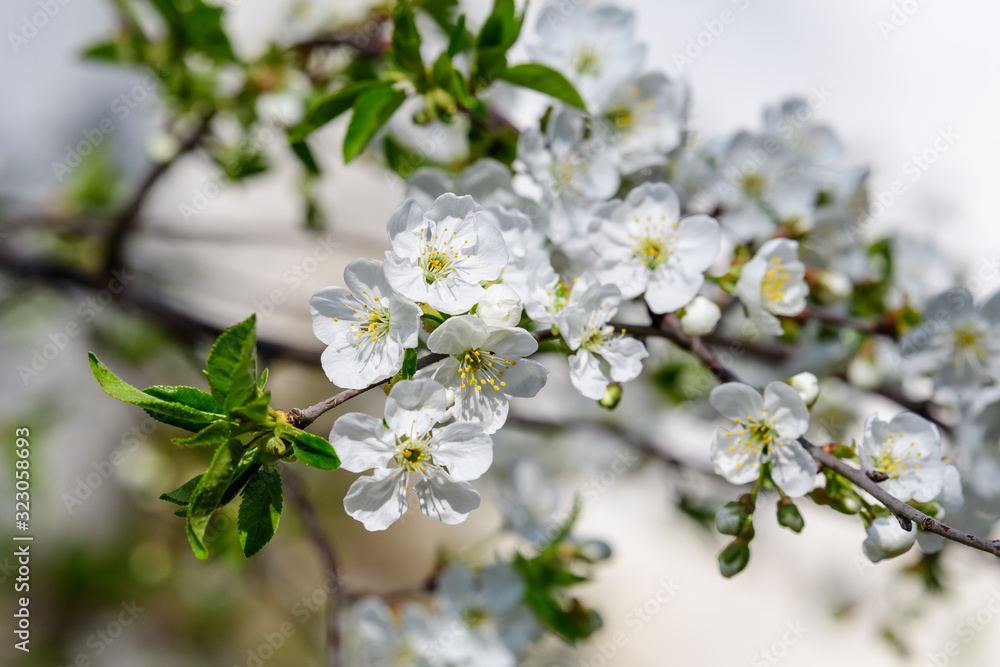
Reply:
x=824, y=458
x=314, y=529
x=123, y=223
x=303, y=417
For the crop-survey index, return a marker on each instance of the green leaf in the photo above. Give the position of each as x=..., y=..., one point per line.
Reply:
x=544, y=80
x=166, y=404
x=406, y=39
x=263, y=379
x=330, y=107
x=502, y=27
x=260, y=511
x=372, y=110
x=208, y=494
x=458, y=37
x=182, y=494
x=409, y=363
x=305, y=156
x=255, y=410
x=450, y=80
x=226, y=355
x=243, y=379
x=310, y=449
x=401, y=159
x=213, y=434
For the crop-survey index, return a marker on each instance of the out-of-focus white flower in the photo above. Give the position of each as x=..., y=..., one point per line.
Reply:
x=907, y=450
x=162, y=147
x=592, y=45
x=700, y=317
x=959, y=344
x=442, y=459
x=791, y=122
x=773, y=283
x=647, y=116
x=645, y=247
x=375, y=637
x=887, y=539
x=835, y=285
x=602, y=355
x=434, y=140
x=763, y=430
x=566, y=173
x=485, y=367
x=500, y=306
x=807, y=385
x=440, y=256
x=366, y=326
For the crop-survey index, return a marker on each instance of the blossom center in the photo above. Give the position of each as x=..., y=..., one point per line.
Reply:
x=483, y=369
x=587, y=61
x=436, y=264
x=412, y=454
x=755, y=435
x=651, y=242
x=775, y=282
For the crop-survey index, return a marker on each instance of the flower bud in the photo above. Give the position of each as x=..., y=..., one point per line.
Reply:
x=612, y=396
x=789, y=517
x=162, y=147
x=834, y=286
x=700, y=317
x=500, y=306
x=734, y=558
x=729, y=518
x=593, y=551
x=864, y=373
x=807, y=385
x=887, y=539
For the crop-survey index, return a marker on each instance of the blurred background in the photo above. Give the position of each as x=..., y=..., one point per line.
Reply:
x=896, y=76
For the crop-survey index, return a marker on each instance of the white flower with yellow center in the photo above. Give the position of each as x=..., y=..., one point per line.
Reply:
x=645, y=247
x=594, y=46
x=366, y=326
x=907, y=450
x=763, y=431
x=407, y=444
x=647, y=116
x=485, y=367
x=602, y=354
x=441, y=256
x=773, y=283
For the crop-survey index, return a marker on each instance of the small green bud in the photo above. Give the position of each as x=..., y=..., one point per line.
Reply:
x=729, y=518
x=734, y=558
x=789, y=517
x=276, y=447
x=612, y=396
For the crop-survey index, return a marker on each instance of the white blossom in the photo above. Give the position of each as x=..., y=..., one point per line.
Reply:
x=908, y=450
x=485, y=366
x=764, y=430
x=366, y=326
x=887, y=539
x=773, y=283
x=807, y=385
x=602, y=354
x=700, y=317
x=407, y=444
x=500, y=306
x=645, y=247
x=647, y=116
x=442, y=255
x=592, y=45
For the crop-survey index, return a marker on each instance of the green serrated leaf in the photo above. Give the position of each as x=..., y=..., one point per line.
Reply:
x=182, y=494
x=544, y=80
x=243, y=379
x=167, y=404
x=213, y=434
x=372, y=110
x=263, y=379
x=226, y=355
x=208, y=494
x=310, y=449
x=255, y=410
x=260, y=511
x=330, y=107
x=406, y=39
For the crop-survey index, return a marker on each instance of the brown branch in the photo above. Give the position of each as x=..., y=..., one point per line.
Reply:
x=126, y=219
x=314, y=529
x=899, y=508
x=303, y=417
x=886, y=327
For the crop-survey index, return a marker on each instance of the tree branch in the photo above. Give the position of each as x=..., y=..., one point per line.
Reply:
x=899, y=508
x=123, y=223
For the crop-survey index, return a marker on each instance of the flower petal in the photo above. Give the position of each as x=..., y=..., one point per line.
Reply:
x=378, y=501
x=464, y=448
x=358, y=439
x=737, y=401
x=445, y=499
